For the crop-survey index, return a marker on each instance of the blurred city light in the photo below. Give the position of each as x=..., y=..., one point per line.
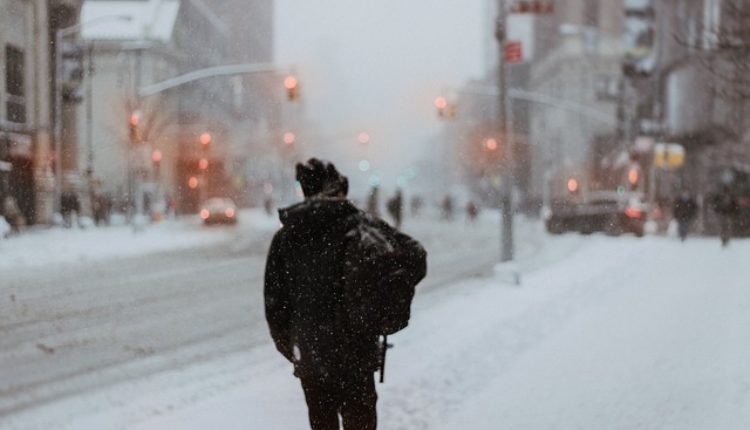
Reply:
x=289, y=138
x=572, y=185
x=205, y=139
x=364, y=165
x=290, y=82
x=363, y=138
x=156, y=156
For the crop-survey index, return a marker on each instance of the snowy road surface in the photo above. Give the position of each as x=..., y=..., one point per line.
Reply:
x=89, y=338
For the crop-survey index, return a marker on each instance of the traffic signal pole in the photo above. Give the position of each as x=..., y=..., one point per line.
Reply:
x=506, y=253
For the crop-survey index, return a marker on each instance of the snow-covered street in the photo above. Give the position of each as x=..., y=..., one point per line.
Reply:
x=84, y=330
x=602, y=333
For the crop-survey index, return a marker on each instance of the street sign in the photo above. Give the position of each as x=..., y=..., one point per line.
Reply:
x=513, y=52
x=669, y=155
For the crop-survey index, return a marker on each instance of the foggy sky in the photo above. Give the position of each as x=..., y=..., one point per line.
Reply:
x=377, y=66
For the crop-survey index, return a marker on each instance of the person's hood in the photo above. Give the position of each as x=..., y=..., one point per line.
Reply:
x=316, y=212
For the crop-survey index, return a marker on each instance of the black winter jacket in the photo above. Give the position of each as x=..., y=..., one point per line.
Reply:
x=303, y=292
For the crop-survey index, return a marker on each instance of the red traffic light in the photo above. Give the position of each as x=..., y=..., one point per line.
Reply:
x=205, y=139
x=290, y=82
x=363, y=138
x=135, y=119
x=292, y=87
x=133, y=130
x=633, y=176
x=156, y=156
x=289, y=138
x=572, y=185
x=490, y=144
x=441, y=102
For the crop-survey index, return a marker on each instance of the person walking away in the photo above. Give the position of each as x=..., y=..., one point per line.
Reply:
x=373, y=202
x=395, y=208
x=69, y=207
x=447, y=207
x=13, y=215
x=726, y=207
x=472, y=211
x=322, y=313
x=684, y=212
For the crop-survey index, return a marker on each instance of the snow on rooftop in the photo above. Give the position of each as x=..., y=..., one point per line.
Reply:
x=129, y=20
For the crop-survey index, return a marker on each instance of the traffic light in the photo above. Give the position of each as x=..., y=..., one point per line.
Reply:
x=363, y=138
x=573, y=186
x=205, y=140
x=156, y=157
x=134, y=131
x=292, y=88
x=203, y=164
x=490, y=144
x=633, y=177
x=441, y=103
x=289, y=138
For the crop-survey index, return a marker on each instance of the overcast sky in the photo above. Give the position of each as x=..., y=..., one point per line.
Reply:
x=378, y=65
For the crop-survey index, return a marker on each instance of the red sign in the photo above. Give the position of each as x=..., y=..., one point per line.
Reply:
x=513, y=52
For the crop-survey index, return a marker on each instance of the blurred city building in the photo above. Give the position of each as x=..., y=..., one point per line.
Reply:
x=701, y=93
x=25, y=110
x=578, y=62
x=256, y=149
x=160, y=39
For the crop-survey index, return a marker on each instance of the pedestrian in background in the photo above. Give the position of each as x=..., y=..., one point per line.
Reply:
x=70, y=208
x=373, y=201
x=684, y=212
x=447, y=208
x=726, y=207
x=472, y=211
x=395, y=208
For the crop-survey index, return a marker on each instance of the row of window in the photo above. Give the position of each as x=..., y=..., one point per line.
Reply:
x=15, y=102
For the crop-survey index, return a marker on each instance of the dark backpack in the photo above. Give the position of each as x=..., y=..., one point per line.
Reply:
x=382, y=268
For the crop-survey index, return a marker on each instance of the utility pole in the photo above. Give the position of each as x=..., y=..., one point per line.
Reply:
x=506, y=205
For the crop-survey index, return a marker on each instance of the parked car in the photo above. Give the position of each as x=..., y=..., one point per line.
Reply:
x=609, y=212
x=218, y=210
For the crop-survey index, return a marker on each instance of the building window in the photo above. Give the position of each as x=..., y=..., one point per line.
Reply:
x=14, y=85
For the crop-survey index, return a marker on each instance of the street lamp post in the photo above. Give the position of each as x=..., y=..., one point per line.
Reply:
x=61, y=34
x=506, y=252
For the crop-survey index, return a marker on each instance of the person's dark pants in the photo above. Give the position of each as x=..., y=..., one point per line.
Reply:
x=683, y=227
x=353, y=397
x=727, y=225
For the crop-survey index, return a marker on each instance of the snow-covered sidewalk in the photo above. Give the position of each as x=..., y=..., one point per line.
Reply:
x=45, y=247
x=616, y=333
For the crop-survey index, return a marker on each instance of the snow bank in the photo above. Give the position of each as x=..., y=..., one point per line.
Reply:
x=54, y=246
